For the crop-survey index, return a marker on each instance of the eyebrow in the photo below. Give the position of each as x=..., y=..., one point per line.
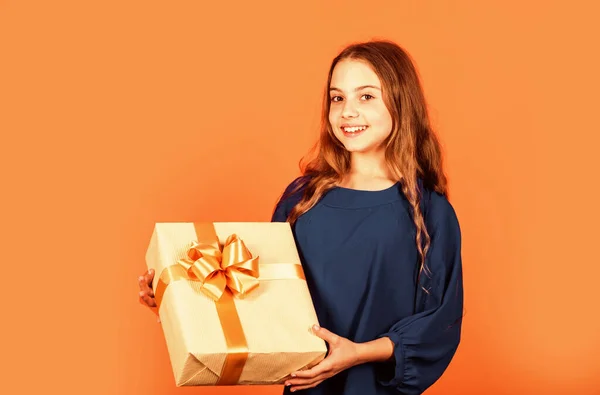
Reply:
x=333, y=88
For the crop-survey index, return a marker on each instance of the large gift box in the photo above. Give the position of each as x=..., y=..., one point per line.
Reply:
x=233, y=302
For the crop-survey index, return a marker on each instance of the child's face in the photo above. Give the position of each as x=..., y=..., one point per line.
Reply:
x=358, y=115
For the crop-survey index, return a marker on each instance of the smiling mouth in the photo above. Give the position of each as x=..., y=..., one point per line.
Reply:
x=353, y=131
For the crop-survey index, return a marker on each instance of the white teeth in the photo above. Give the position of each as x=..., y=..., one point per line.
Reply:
x=354, y=129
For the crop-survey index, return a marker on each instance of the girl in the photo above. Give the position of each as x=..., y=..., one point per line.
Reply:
x=379, y=241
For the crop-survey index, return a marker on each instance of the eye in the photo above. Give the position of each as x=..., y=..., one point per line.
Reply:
x=367, y=97
x=336, y=98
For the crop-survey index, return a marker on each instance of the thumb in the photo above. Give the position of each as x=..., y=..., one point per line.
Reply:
x=326, y=335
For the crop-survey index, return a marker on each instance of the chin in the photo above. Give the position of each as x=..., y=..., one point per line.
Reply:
x=359, y=150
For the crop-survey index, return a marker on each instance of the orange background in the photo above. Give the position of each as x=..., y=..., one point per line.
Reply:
x=115, y=115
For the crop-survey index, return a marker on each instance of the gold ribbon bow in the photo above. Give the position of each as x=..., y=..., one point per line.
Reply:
x=233, y=268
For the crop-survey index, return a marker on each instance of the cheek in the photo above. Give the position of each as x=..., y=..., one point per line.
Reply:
x=384, y=119
x=333, y=117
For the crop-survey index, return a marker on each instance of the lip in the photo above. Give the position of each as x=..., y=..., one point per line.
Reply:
x=352, y=134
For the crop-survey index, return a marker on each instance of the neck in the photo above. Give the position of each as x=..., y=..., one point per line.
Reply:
x=369, y=165
x=368, y=171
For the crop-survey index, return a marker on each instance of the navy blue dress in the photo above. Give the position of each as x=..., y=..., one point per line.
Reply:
x=361, y=262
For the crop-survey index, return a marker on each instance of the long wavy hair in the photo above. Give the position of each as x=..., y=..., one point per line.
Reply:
x=412, y=150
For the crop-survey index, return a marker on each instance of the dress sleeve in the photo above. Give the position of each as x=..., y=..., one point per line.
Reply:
x=425, y=343
x=291, y=196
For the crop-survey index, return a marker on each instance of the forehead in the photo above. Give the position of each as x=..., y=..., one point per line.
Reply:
x=351, y=73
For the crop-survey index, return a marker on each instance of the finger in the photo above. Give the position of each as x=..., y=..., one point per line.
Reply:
x=149, y=276
x=149, y=301
x=326, y=335
x=311, y=381
x=308, y=381
x=303, y=387
x=144, y=286
x=323, y=367
x=145, y=300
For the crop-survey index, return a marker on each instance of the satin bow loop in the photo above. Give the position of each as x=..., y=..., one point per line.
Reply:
x=233, y=268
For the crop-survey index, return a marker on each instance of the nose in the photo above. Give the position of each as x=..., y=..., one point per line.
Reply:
x=349, y=110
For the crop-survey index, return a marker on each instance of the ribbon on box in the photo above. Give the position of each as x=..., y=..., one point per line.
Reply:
x=225, y=273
